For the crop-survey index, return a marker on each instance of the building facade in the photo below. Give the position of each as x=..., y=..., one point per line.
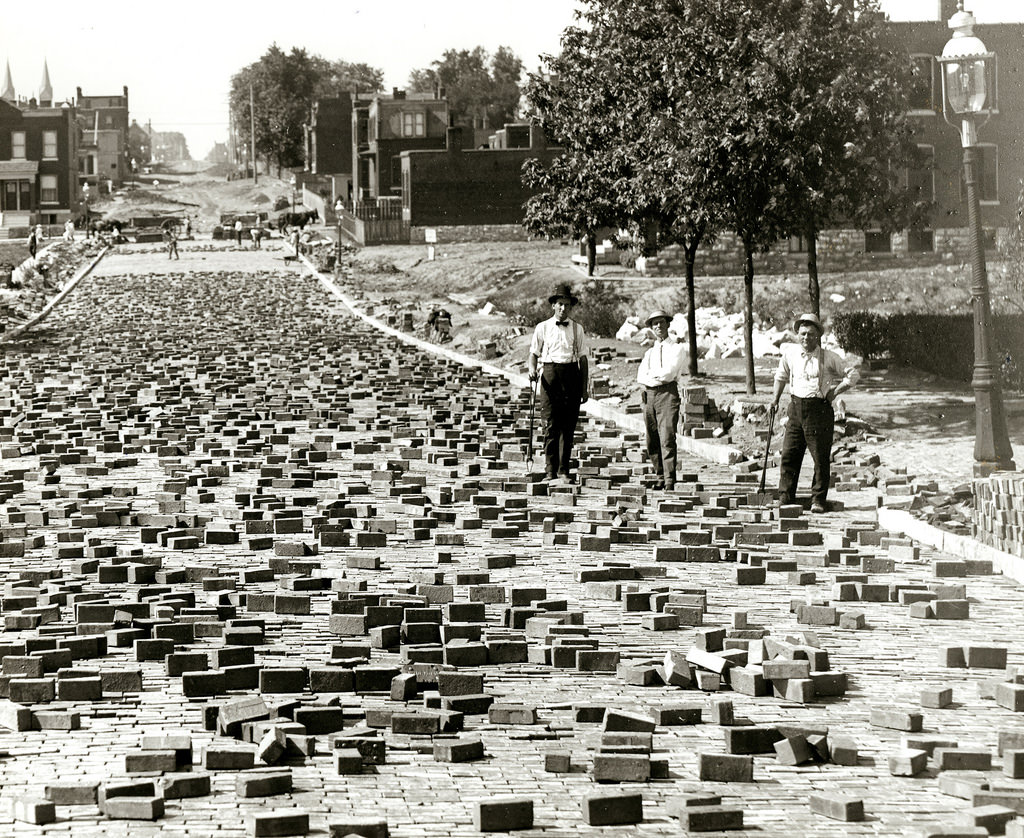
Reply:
x=385, y=126
x=38, y=165
x=1000, y=140
x=468, y=189
x=103, y=120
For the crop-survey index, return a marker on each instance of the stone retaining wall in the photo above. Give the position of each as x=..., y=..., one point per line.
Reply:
x=838, y=250
x=999, y=511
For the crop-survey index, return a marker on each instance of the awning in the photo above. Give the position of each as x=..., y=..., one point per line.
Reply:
x=18, y=169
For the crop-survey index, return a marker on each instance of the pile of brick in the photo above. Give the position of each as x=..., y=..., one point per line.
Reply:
x=999, y=511
x=314, y=585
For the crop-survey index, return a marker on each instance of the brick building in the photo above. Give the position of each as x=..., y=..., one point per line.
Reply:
x=104, y=124
x=474, y=193
x=38, y=164
x=938, y=180
x=1001, y=139
x=385, y=126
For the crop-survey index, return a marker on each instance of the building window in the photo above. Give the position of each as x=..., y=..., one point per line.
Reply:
x=16, y=195
x=921, y=95
x=48, y=189
x=17, y=145
x=875, y=241
x=49, y=145
x=797, y=244
x=921, y=178
x=414, y=124
x=920, y=241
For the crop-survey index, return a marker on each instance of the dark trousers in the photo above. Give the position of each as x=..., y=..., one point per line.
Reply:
x=811, y=424
x=561, y=387
x=661, y=417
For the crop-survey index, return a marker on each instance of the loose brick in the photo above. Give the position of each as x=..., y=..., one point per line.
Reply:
x=710, y=818
x=263, y=783
x=503, y=814
x=725, y=768
x=612, y=809
x=838, y=807
x=278, y=822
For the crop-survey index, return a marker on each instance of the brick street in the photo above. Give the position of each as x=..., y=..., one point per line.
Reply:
x=224, y=483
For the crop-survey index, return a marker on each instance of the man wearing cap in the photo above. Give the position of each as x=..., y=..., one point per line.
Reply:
x=558, y=356
x=659, y=373
x=815, y=376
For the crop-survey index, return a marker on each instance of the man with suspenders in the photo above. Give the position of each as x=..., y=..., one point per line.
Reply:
x=558, y=356
x=815, y=376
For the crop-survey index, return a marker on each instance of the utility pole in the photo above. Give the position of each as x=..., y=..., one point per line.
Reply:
x=252, y=130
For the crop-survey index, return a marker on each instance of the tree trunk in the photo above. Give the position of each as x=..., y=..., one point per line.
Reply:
x=591, y=253
x=748, y=315
x=813, y=289
x=691, y=308
x=651, y=230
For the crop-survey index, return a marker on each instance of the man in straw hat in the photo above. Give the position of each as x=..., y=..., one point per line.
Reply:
x=815, y=376
x=558, y=356
x=659, y=373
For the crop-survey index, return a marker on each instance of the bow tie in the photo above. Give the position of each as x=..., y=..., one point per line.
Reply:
x=561, y=322
x=806, y=355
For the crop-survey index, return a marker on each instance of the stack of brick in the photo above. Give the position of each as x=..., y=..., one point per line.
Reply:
x=999, y=511
x=700, y=416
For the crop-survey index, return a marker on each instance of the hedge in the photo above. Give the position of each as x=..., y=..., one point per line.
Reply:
x=939, y=343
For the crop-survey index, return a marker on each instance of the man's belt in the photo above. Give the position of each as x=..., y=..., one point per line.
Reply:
x=668, y=386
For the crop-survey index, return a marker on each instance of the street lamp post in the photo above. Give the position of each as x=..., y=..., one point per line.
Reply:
x=293, y=194
x=967, y=69
x=85, y=201
x=338, y=207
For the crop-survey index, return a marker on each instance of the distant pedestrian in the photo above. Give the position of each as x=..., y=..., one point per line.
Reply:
x=659, y=373
x=558, y=357
x=815, y=376
x=172, y=243
x=295, y=241
x=39, y=233
x=238, y=231
x=33, y=244
x=188, y=227
x=69, y=230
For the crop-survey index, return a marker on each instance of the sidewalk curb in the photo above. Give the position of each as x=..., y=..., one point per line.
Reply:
x=722, y=454
x=50, y=306
x=957, y=545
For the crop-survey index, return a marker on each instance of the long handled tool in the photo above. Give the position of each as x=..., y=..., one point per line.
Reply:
x=529, y=440
x=767, y=447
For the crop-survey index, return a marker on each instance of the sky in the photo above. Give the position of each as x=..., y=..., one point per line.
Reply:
x=177, y=57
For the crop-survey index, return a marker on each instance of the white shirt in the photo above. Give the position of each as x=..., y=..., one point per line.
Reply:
x=662, y=363
x=813, y=374
x=554, y=344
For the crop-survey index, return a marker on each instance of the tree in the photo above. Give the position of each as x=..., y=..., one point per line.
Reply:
x=1008, y=280
x=339, y=78
x=576, y=191
x=482, y=91
x=843, y=86
x=284, y=86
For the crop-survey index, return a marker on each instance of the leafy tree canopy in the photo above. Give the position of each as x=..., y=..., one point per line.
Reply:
x=482, y=90
x=284, y=86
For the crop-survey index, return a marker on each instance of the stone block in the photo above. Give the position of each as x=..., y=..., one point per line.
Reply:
x=503, y=814
x=612, y=809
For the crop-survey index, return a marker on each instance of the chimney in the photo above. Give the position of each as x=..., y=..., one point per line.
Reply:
x=397, y=94
x=454, y=140
x=947, y=8
x=78, y=95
